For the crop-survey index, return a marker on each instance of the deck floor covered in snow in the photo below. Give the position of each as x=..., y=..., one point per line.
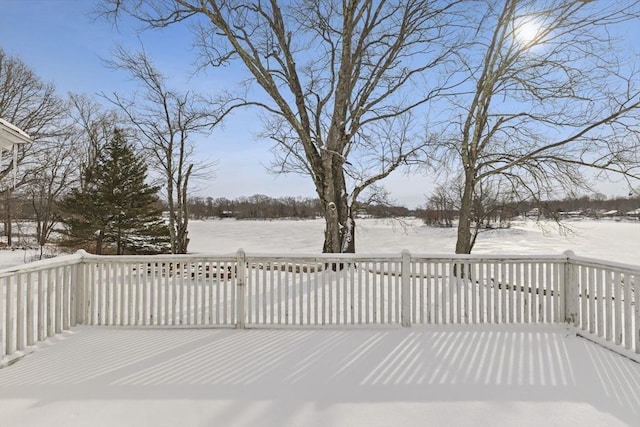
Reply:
x=446, y=375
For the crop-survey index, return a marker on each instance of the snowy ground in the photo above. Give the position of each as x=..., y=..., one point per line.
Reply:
x=431, y=376
x=609, y=240
x=493, y=375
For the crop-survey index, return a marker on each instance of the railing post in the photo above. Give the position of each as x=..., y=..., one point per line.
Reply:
x=80, y=299
x=241, y=264
x=405, y=276
x=570, y=291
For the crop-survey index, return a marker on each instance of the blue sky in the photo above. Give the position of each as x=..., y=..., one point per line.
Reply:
x=63, y=44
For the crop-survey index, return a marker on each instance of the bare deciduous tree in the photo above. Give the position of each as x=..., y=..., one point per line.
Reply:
x=55, y=164
x=166, y=120
x=339, y=80
x=493, y=205
x=48, y=179
x=547, y=95
x=92, y=126
x=32, y=105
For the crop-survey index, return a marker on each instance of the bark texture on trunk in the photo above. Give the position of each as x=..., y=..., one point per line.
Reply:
x=464, y=242
x=339, y=235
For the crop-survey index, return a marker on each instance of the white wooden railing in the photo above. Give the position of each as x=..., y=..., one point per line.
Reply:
x=42, y=299
x=604, y=300
x=37, y=301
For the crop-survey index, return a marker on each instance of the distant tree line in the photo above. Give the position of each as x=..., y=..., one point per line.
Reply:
x=588, y=206
x=443, y=209
x=260, y=206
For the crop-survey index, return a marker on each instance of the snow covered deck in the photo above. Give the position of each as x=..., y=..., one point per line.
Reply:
x=320, y=340
x=524, y=375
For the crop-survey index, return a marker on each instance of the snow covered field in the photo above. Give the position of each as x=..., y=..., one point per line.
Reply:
x=451, y=375
x=608, y=240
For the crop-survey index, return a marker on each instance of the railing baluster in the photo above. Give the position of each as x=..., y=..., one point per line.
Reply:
x=591, y=292
x=558, y=289
x=482, y=293
x=4, y=326
x=458, y=288
x=66, y=298
x=433, y=291
x=29, y=309
x=20, y=319
x=599, y=285
x=444, y=283
x=219, y=291
x=470, y=299
x=529, y=291
x=253, y=297
x=628, y=316
x=519, y=284
x=59, y=299
x=367, y=292
x=108, y=294
x=547, y=292
x=345, y=292
x=268, y=292
x=195, y=302
x=511, y=292
x=137, y=307
x=636, y=294
x=534, y=288
x=298, y=280
x=397, y=291
x=503, y=292
x=120, y=301
x=608, y=311
x=10, y=329
x=618, y=307
x=288, y=310
x=208, y=280
x=195, y=271
x=146, y=293
x=316, y=296
x=41, y=305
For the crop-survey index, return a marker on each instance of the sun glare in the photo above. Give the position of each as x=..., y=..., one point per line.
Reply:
x=526, y=32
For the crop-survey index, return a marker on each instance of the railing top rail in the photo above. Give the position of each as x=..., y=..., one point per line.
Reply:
x=86, y=257
x=398, y=257
x=489, y=257
x=594, y=262
x=323, y=257
x=82, y=256
x=44, y=264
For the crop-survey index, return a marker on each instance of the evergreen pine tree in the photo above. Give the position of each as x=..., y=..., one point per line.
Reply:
x=117, y=208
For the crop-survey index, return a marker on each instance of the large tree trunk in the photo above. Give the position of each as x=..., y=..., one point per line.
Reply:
x=339, y=234
x=464, y=242
x=182, y=222
x=340, y=227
